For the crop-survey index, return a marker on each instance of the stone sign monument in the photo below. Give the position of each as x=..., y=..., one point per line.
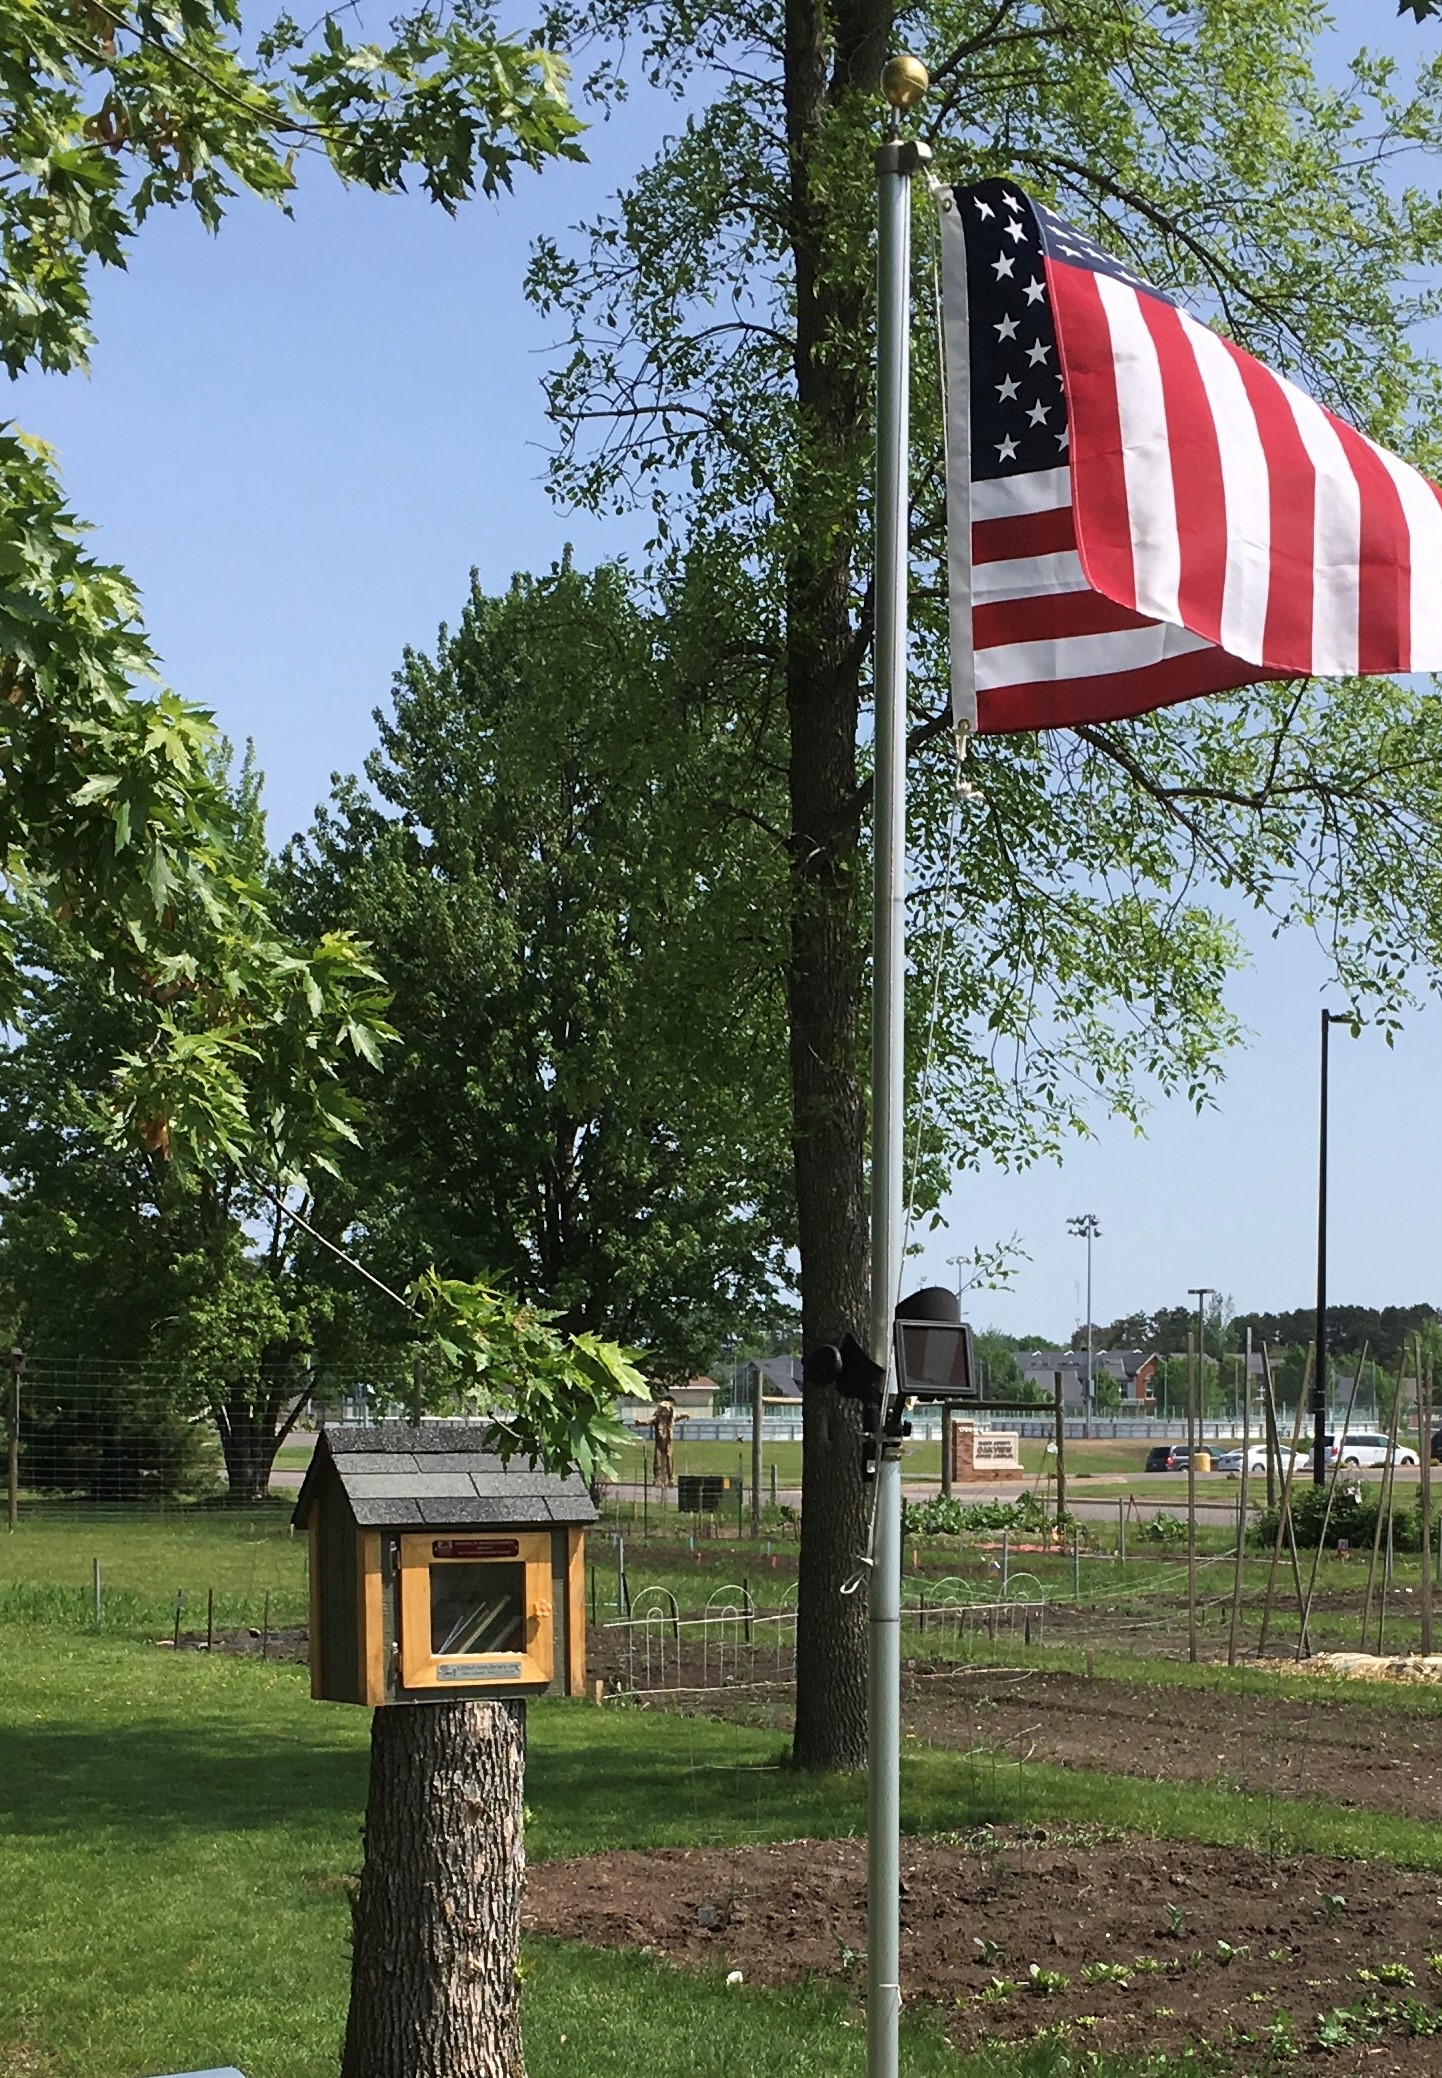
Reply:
x=983, y=1454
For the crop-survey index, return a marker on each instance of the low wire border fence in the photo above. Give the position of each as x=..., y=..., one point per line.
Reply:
x=735, y=1643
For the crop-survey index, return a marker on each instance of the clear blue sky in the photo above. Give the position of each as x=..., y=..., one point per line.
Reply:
x=300, y=436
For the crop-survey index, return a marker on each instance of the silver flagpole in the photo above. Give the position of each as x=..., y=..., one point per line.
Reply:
x=903, y=82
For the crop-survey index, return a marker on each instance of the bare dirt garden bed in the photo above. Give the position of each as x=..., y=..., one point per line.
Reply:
x=1125, y=1944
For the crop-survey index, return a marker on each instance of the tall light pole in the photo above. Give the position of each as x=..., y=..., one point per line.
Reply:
x=1087, y=1227
x=1201, y=1293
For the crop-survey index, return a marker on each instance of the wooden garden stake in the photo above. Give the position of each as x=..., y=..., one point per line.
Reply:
x=1424, y=1459
x=1192, y=1368
x=1284, y=1512
x=1321, y=1545
x=1060, y=1455
x=1272, y=1448
x=1241, y=1503
x=1384, y=1506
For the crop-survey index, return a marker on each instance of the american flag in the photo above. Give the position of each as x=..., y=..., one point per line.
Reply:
x=1139, y=512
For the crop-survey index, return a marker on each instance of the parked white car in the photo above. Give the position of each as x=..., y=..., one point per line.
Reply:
x=1230, y=1461
x=1365, y=1449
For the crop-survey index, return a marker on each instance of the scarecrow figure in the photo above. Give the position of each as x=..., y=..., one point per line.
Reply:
x=663, y=1424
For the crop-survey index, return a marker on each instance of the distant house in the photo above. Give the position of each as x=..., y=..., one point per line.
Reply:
x=1134, y=1371
x=696, y=1396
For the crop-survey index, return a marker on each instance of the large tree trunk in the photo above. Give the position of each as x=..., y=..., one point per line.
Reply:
x=435, y=1990
x=824, y=982
x=248, y=1443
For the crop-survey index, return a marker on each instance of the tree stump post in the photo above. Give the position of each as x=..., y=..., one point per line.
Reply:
x=435, y=1989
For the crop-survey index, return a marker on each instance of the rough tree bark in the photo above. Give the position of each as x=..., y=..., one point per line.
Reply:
x=435, y=1990
x=253, y=1423
x=831, y=54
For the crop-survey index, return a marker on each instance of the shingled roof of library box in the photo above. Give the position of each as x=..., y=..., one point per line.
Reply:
x=390, y=1510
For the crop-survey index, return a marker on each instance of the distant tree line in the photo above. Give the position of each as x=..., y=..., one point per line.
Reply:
x=1385, y=1333
x=1372, y=1344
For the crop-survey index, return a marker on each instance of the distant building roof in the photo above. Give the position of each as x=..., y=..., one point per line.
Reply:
x=396, y=1474
x=1120, y=1362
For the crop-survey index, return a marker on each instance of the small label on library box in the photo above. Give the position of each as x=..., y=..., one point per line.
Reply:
x=478, y=1670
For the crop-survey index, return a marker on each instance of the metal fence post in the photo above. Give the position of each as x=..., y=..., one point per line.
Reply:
x=12, y=1426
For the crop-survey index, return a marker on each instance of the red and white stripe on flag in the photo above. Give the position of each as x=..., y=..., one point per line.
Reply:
x=1138, y=512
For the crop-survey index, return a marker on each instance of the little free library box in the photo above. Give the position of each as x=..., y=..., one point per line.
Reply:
x=436, y=1570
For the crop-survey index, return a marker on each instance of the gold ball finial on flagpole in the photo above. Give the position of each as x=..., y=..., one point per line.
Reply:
x=904, y=82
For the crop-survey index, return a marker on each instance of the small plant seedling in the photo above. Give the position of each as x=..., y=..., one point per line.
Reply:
x=1277, y=1955
x=1000, y=1988
x=1146, y=1966
x=1334, y=2029
x=1106, y=1973
x=1176, y=1922
x=1394, y=1973
x=848, y=1956
x=1226, y=1953
x=1280, y=2040
x=1333, y=1903
x=1045, y=1983
x=1434, y=1961
x=988, y=1952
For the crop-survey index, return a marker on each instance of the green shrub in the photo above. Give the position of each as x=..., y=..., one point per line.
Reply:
x=1163, y=1529
x=1353, y=1518
x=944, y=1516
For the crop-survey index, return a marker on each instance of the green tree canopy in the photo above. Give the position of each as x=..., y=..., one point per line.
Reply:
x=555, y=869
x=719, y=323
x=112, y=803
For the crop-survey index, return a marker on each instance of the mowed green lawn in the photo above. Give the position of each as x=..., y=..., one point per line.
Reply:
x=47, y=1567
x=177, y=1833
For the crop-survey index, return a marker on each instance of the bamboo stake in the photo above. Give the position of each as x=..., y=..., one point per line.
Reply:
x=1284, y=1511
x=1341, y=1445
x=1384, y=1503
x=1241, y=1502
x=1424, y=1499
x=1273, y=1440
x=1192, y=1498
